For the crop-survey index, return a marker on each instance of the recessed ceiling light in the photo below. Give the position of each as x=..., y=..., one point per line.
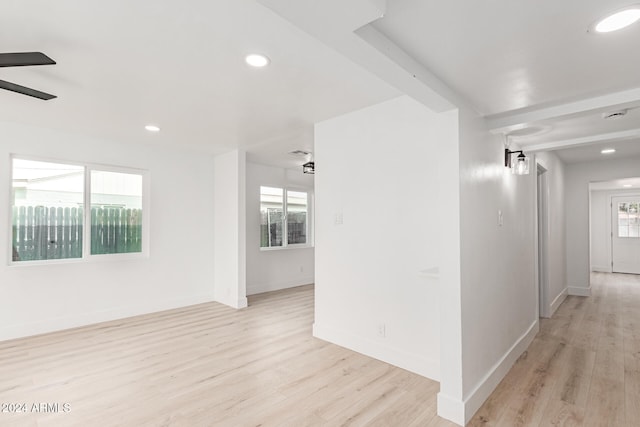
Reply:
x=608, y=151
x=627, y=185
x=618, y=20
x=152, y=128
x=257, y=60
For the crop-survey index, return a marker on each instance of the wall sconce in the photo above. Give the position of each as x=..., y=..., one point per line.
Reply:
x=521, y=164
x=309, y=167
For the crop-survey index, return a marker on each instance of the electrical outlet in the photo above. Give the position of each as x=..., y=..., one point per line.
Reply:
x=338, y=219
x=500, y=218
x=382, y=330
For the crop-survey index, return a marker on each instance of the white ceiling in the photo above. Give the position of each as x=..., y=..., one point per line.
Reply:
x=505, y=55
x=618, y=184
x=180, y=65
x=525, y=65
x=592, y=152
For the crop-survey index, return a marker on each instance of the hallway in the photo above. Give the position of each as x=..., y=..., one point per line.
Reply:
x=582, y=369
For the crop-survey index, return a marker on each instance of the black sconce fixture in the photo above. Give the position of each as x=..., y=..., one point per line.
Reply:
x=309, y=167
x=521, y=164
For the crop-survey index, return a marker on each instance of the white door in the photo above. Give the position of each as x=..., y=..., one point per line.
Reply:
x=625, y=234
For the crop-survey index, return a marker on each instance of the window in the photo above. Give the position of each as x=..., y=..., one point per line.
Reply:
x=49, y=213
x=628, y=220
x=283, y=213
x=296, y=217
x=116, y=212
x=48, y=200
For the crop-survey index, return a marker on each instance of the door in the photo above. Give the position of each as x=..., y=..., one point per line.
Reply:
x=625, y=234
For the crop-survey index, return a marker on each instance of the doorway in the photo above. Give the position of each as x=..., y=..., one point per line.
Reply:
x=543, y=239
x=625, y=234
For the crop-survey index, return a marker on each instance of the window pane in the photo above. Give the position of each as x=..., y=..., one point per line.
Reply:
x=47, y=203
x=296, y=217
x=271, y=216
x=116, y=212
x=623, y=220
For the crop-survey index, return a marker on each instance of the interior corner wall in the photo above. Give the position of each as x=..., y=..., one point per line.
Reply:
x=178, y=272
x=271, y=270
x=499, y=293
x=578, y=177
x=378, y=224
x=556, y=239
x=230, y=229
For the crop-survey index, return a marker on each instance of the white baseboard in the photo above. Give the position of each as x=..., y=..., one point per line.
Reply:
x=84, y=319
x=558, y=300
x=241, y=302
x=411, y=362
x=451, y=409
x=600, y=268
x=260, y=288
x=460, y=412
x=579, y=291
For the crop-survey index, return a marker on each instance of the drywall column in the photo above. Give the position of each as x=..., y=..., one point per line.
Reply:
x=379, y=226
x=230, y=286
x=450, y=397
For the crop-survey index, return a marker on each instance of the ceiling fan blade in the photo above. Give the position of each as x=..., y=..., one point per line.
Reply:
x=21, y=59
x=25, y=90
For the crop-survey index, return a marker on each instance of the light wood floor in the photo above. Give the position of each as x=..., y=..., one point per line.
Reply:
x=582, y=369
x=209, y=365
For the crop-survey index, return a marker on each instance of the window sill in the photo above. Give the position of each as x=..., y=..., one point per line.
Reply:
x=284, y=248
x=122, y=257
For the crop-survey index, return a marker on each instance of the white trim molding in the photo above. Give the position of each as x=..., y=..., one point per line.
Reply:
x=259, y=288
x=91, y=318
x=461, y=412
x=558, y=300
x=580, y=291
x=412, y=362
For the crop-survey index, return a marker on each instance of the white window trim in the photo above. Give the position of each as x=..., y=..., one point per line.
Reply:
x=310, y=219
x=86, y=233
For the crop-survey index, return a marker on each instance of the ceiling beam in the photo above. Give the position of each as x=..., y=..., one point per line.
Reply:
x=586, y=140
x=348, y=30
x=522, y=118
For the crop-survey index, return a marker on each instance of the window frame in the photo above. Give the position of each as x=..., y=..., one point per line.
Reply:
x=87, y=256
x=628, y=225
x=285, y=227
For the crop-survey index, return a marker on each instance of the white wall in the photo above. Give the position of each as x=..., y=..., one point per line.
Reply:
x=230, y=228
x=498, y=290
x=600, y=239
x=271, y=270
x=600, y=227
x=178, y=272
x=556, y=238
x=378, y=223
x=578, y=177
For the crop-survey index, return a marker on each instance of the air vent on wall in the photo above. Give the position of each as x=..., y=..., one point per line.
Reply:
x=299, y=153
x=612, y=115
